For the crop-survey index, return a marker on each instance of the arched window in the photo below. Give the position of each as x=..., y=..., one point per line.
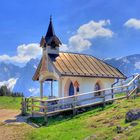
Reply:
x=71, y=89
x=76, y=85
x=77, y=89
x=97, y=87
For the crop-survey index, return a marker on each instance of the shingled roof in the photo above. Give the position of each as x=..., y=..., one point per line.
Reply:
x=71, y=64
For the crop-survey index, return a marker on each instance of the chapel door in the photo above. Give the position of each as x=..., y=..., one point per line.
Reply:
x=71, y=89
x=97, y=87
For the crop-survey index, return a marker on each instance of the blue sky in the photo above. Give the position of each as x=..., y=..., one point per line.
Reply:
x=25, y=21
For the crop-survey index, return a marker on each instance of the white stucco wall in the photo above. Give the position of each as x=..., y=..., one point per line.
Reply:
x=85, y=85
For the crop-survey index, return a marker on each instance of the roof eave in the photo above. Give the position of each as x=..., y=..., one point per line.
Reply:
x=93, y=76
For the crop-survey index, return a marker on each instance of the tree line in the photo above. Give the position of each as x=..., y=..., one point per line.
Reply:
x=4, y=91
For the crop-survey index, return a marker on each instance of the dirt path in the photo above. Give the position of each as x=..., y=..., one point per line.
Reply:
x=12, y=126
x=6, y=114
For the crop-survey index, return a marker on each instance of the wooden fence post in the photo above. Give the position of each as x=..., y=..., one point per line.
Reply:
x=23, y=106
x=138, y=85
x=135, y=87
x=104, y=99
x=135, y=94
x=27, y=104
x=45, y=112
x=32, y=106
x=127, y=92
x=134, y=83
x=74, y=105
x=112, y=91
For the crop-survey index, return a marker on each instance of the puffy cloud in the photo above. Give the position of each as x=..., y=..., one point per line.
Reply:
x=133, y=23
x=77, y=43
x=82, y=39
x=9, y=83
x=24, y=53
x=95, y=29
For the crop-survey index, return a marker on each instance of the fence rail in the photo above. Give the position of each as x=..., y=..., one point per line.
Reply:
x=57, y=105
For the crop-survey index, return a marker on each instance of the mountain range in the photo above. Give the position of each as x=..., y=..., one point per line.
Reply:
x=129, y=65
x=20, y=78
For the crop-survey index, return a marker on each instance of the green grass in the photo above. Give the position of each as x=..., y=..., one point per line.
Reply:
x=98, y=122
x=10, y=102
x=120, y=94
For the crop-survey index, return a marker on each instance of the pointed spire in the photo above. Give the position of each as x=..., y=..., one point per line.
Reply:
x=50, y=31
x=51, y=38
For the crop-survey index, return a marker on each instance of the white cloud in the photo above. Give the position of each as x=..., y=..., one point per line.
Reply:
x=95, y=29
x=34, y=91
x=133, y=23
x=82, y=39
x=24, y=53
x=9, y=83
x=79, y=44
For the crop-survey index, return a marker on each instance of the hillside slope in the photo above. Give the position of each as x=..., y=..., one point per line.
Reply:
x=97, y=124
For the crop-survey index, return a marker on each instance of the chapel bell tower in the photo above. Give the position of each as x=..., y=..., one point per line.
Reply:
x=50, y=43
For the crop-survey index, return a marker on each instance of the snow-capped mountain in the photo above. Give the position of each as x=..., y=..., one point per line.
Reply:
x=8, y=71
x=25, y=83
x=20, y=78
x=128, y=65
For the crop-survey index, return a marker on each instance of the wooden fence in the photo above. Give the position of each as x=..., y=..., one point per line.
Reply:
x=53, y=106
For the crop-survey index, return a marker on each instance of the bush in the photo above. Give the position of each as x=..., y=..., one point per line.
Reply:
x=4, y=91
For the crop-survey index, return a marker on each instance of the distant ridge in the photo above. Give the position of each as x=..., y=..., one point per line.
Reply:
x=128, y=64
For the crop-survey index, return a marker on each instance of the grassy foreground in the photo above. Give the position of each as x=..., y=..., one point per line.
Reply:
x=10, y=107
x=95, y=124
x=10, y=102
